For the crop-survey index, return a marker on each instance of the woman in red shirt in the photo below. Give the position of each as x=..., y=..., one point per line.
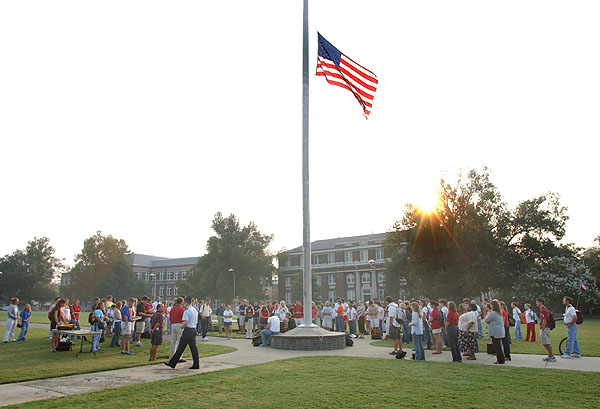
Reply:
x=452, y=331
x=436, y=327
x=505, y=343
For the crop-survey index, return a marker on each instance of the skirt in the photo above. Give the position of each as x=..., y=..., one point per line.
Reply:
x=466, y=340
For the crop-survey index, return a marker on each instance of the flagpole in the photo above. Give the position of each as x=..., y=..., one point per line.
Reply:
x=306, y=254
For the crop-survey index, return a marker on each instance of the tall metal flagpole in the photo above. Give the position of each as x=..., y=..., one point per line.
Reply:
x=306, y=255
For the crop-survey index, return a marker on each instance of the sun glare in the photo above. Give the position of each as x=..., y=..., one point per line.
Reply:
x=427, y=202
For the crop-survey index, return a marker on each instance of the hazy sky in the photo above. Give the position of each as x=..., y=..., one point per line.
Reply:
x=144, y=118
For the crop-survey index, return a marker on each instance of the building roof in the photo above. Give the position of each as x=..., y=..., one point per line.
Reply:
x=144, y=260
x=341, y=242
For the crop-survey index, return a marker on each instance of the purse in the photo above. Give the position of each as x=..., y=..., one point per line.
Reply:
x=19, y=325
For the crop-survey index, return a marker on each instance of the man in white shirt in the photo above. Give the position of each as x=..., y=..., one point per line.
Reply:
x=271, y=329
x=516, y=312
x=188, y=337
x=205, y=316
x=393, y=325
x=570, y=320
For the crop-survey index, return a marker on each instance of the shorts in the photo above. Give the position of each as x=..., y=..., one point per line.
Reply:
x=157, y=337
x=436, y=331
x=125, y=328
x=545, y=336
x=395, y=332
x=227, y=324
x=374, y=322
x=139, y=326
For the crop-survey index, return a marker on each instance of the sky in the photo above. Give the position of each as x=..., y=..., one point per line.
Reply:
x=143, y=119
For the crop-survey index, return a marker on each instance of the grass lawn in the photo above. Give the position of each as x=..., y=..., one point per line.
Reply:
x=34, y=359
x=347, y=382
x=587, y=335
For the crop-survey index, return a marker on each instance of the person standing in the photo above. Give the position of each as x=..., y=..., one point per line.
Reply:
x=189, y=324
x=75, y=311
x=97, y=325
x=314, y=312
x=57, y=318
x=570, y=320
x=506, y=339
x=298, y=312
x=176, y=317
x=451, y=326
x=352, y=318
x=249, y=320
x=25, y=315
x=228, y=320
x=11, y=320
x=394, y=325
x=425, y=311
x=361, y=311
x=545, y=330
x=516, y=313
x=436, y=327
x=156, y=330
x=326, y=316
x=416, y=328
x=205, y=317
x=220, y=311
x=126, y=326
x=495, y=323
x=530, y=321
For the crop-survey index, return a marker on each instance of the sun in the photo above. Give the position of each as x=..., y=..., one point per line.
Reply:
x=427, y=202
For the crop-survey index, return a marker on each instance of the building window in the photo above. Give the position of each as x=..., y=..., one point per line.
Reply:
x=316, y=259
x=366, y=278
x=288, y=281
x=183, y=274
x=168, y=290
x=175, y=290
x=381, y=293
x=347, y=257
x=288, y=298
x=331, y=295
x=378, y=254
x=162, y=276
x=331, y=258
x=146, y=276
x=380, y=277
x=351, y=295
x=161, y=291
x=318, y=280
x=169, y=275
x=350, y=278
x=176, y=275
x=364, y=255
x=331, y=279
x=139, y=275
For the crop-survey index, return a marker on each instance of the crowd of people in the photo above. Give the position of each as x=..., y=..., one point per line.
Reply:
x=426, y=323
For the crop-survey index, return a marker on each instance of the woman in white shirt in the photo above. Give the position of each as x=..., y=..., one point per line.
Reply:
x=416, y=329
x=228, y=321
x=530, y=320
x=466, y=337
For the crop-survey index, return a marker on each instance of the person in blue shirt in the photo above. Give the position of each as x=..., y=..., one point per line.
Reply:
x=126, y=327
x=98, y=318
x=189, y=324
x=25, y=315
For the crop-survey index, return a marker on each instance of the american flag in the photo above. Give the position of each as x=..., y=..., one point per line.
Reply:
x=583, y=287
x=340, y=70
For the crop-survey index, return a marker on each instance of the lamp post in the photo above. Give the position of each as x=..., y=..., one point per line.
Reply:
x=232, y=272
x=152, y=278
x=373, y=278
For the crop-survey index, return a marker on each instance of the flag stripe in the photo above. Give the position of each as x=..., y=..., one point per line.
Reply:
x=335, y=77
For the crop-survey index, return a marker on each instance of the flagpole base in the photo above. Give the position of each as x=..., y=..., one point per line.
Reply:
x=309, y=338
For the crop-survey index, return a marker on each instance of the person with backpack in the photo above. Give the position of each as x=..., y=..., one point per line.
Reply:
x=570, y=320
x=546, y=322
x=516, y=314
x=394, y=325
x=416, y=328
x=530, y=321
x=97, y=324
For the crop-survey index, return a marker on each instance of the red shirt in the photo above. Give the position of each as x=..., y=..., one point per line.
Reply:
x=505, y=315
x=452, y=318
x=264, y=314
x=435, y=319
x=176, y=314
x=544, y=315
x=75, y=310
x=298, y=311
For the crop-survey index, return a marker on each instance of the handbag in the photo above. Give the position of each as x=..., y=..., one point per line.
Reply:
x=19, y=325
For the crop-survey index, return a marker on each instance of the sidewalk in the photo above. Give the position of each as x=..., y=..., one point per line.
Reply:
x=246, y=354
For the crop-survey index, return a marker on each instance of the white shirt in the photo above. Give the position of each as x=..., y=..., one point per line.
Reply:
x=529, y=317
x=445, y=311
x=227, y=316
x=516, y=312
x=191, y=316
x=273, y=323
x=478, y=311
x=67, y=313
x=463, y=321
x=472, y=317
x=570, y=315
x=392, y=312
x=352, y=314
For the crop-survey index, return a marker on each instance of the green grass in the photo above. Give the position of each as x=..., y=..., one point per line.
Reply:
x=34, y=359
x=587, y=335
x=334, y=382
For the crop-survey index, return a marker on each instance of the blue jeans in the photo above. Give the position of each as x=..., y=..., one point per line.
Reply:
x=405, y=333
x=204, y=326
x=479, y=328
x=95, y=338
x=23, y=333
x=352, y=325
x=518, y=334
x=114, y=342
x=427, y=335
x=419, y=350
x=453, y=342
x=339, y=324
x=266, y=336
x=572, y=342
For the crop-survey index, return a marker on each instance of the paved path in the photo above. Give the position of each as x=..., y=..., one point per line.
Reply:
x=246, y=354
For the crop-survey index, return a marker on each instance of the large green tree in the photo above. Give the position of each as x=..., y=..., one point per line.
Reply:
x=591, y=258
x=241, y=248
x=27, y=274
x=103, y=268
x=472, y=242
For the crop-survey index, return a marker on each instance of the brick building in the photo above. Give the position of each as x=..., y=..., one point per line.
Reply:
x=348, y=267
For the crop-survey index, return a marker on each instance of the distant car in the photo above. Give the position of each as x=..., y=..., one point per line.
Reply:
x=4, y=307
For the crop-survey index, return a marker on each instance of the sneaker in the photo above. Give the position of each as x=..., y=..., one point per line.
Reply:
x=575, y=355
x=565, y=356
x=139, y=344
x=551, y=359
x=546, y=358
x=394, y=353
x=129, y=353
x=205, y=339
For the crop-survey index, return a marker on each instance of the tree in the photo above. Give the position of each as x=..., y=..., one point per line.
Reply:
x=242, y=249
x=471, y=242
x=591, y=257
x=27, y=274
x=298, y=289
x=102, y=267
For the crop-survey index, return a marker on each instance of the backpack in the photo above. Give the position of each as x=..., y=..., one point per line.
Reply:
x=551, y=324
x=579, y=317
x=91, y=318
x=349, y=341
x=400, y=316
x=535, y=317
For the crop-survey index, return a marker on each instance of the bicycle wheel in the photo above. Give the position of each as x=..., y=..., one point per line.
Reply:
x=563, y=343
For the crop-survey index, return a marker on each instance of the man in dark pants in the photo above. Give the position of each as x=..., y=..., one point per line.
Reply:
x=188, y=337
